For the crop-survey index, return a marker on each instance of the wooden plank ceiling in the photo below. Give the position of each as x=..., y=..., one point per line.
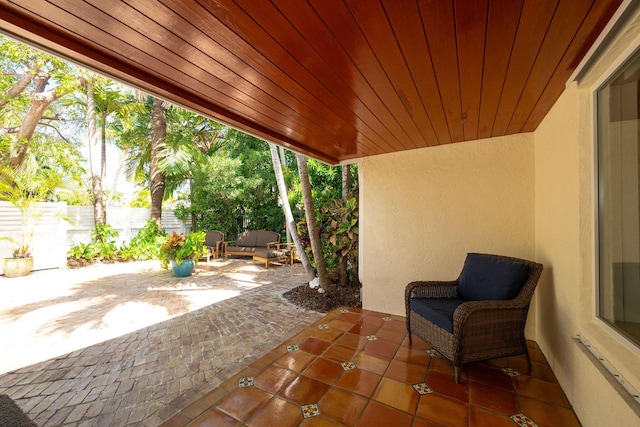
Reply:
x=334, y=79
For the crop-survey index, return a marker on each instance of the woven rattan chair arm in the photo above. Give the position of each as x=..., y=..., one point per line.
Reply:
x=431, y=289
x=486, y=312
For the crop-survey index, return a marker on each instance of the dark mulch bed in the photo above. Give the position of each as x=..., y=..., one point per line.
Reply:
x=305, y=297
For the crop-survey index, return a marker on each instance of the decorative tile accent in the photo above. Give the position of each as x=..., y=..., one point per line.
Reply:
x=372, y=338
x=387, y=319
x=422, y=388
x=344, y=310
x=433, y=352
x=511, y=372
x=245, y=382
x=523, y=421
x=347, y=366
x=309, y=411
x=293, y=347
x=323, y=326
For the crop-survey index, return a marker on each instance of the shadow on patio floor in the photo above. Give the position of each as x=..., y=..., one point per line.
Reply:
x=129, y=343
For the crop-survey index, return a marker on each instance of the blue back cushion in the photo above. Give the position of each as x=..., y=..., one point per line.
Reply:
x=437, y=310
x=485, y=277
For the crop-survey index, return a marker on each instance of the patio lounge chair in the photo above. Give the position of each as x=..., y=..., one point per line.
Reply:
x=213, y=241
x=479, y=316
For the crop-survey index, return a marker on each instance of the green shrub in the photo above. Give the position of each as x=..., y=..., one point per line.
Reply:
x=146, y=244
x=102, y=245
x=83, y=251
x=103, y=237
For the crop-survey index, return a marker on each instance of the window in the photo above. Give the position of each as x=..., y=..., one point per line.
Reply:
x=618, y=153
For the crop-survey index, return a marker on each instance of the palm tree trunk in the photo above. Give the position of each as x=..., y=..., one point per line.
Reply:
x=283, y=159
x=157, y=179
x=346, y=182
x=314, y=234
x=291, y=226
x=99, y=208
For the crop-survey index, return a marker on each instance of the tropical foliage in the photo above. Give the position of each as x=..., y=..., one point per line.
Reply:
x=179, y=247
x=54, y=115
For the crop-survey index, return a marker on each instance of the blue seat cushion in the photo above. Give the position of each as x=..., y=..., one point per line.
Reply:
x=485, y=277
x=437, y=310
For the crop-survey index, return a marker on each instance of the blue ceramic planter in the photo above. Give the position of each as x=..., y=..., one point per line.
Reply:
x=184, y=269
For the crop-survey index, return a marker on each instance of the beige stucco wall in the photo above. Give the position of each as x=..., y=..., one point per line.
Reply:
x=531, y=196
x=423, y=210
x=565, y=236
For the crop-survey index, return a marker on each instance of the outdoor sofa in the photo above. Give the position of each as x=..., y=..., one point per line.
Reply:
x=261, y=245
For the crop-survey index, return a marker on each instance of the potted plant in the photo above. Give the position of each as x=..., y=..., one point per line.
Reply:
x=21, y=262
x=182, y=252
x=23, y=189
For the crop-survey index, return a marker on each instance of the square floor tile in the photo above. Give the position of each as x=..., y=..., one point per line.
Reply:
x=329, y=335
x=481, y=417
x=310, y=410
x=340, y=325
x=352, y=340
x=371, y=363
x=314, y=345
x=323, y=370
x=541, y=390
x=340, y=353
x=443, y=410
x=347, y=366
x=304, y=390
x=397, y=395
x=342, y=406
x=277, y=412
x=214, y=417
x=547, y=414
x=379, y=415
x=381, y=348
x=274, y=378
x=446, y=384
x=242, y=403
x=523, y=421
x=406, y=372
x=494, y=398
x=422, y=388
x=359, y=381
x=245, y=382
x=390, y=335
x=295, y=361
x=413, y=355
x=511, y=372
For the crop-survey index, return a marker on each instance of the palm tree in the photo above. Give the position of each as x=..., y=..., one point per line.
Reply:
x=291, y=226
x=314, y=234
x=156, y=175
x=103, y=98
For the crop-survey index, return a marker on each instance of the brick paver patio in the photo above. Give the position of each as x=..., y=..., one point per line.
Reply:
x=130, y=344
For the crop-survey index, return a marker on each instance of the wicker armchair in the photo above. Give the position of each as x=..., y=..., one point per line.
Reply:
x=486, y=321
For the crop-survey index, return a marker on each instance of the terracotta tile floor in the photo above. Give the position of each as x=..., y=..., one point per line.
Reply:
x=355, y=368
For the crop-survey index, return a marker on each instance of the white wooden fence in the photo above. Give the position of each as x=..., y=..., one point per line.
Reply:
x=59, y=227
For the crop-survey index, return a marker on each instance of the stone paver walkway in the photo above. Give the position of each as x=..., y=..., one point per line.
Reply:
x=130, y=344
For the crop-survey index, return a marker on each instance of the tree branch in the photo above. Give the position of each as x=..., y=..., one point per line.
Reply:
x=57, y=131
x=7, y=131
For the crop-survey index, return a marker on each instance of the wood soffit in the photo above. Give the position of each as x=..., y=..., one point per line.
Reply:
x=333, y=79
